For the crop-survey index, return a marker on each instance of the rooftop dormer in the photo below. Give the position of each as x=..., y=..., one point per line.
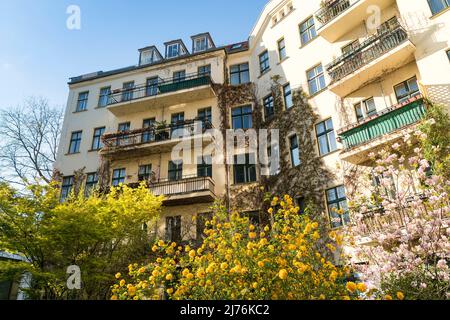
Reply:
x=149, y=55
x=175, y=48
x=202, y=42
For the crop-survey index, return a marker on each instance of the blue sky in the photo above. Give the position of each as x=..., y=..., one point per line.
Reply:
x=38, y=53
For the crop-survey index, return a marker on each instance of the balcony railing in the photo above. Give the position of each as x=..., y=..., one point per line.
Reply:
x=387, y=38
x=155, y=134
x=331, y=9
x=186, y=185
x=387, y=121
x=160, y=87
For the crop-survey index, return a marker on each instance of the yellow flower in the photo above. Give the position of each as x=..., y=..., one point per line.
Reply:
x=192, y=254
x=189, y=276
x=141, y=270
x=260, y=264
x=255, y=285
x=122, y=283
x=400, y=295
x=351, y=286
x=132, y=291
x=154, y=248
x=118, y=275
x=185, y=272
x=270, y=210
x=160, y=243
x=362, y=287
x=283, y=274
x=252, y=235
x=224, y=266
x=201, y=273
x=169, y=291
x=155, y=273
x=388, y=297
x=252, y=227
x=169, y=277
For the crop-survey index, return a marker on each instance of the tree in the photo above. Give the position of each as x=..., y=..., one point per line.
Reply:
x=29, y=137
x=238, y=260
x=99, y=234
x=407, y=218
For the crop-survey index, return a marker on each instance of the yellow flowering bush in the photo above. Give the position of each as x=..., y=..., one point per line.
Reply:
x=238, y=260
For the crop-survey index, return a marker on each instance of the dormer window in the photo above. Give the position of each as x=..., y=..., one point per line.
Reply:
x=173, y=50
x=149, y=55
x=202, y=42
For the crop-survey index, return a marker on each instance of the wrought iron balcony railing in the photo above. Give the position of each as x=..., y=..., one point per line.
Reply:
x=183, y=185
x=161, y=86
x=155, y=134
x=331, y=9
x=387, y=38
x=384, y=122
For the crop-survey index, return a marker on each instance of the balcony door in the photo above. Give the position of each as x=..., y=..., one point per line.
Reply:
x=149, y=134
x=122, y=128
x=177, y=121
x=173, y=229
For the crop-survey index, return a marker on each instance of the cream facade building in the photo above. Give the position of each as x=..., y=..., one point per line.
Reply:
x=364, y=67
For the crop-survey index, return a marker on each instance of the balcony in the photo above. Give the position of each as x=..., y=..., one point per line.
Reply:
x=167, y=92
x=188, y=190
x=157, y=139
x=385, y=127
x=383, y=52
x=338, y=17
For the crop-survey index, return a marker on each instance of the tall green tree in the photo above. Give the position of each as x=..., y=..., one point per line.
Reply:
x=100, y=234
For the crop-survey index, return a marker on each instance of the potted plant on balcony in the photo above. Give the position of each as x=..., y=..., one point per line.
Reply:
x=161, y=131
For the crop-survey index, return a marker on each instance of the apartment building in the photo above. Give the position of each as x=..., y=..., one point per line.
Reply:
x=364, y=68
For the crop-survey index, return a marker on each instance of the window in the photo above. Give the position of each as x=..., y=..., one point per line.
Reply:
x=105, y=97
x=326, y=137
x=204, y=166
x=241, y=117
x=264, y=62
x=273, y=150
x=316, y=79
x=437, y=6
x=124, y=126
x=148, y=135
x=175, y=171
x=178, y=124
x=75, y=142
x=127, y=91
x=145, y=172
x=205, y=115
x=118, y=177
x=173, y=229
x=91, y=182
x=246, y=172
x=287, y=94
x=282, y=49
x=148, y=56
x=66, y=187
x=179, y=76
x=201, y=220
x=200, y=44
x=152, y=86
x=97, y=139
x=173, y=50
x=307, y=31
x=406, y=90
x=268, y=103
x=204, y=70
x=82, y=101
x=448, y=54
x=301, y=202
x=337, y=207
x=239, y=74
x=294, y=150
x=365, y=109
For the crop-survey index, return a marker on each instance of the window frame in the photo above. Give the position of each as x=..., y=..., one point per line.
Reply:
x=444, y=3
x=120, y=179
x=103, y=96
x=178, y=51
x=282, y=52
x=410, y=94
x=316, y=79
x=204, y=73
x=264, y=62
x=292, y=149
x=337, y=201
x=310, y=30
x=242, y=68
x=179, y=76
x=97, y=139
x=249, y=170
x=203, y=168
x=151, y=86
x=362, y=105
x=90, y=183
x=127, y=91
x=82, y=103
x=66, y=186
x=145, y=172
x=242, y=115
x=76, y=140
x=269, y=101
x=287, y=96
x=326, y=133
x=177, y=169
